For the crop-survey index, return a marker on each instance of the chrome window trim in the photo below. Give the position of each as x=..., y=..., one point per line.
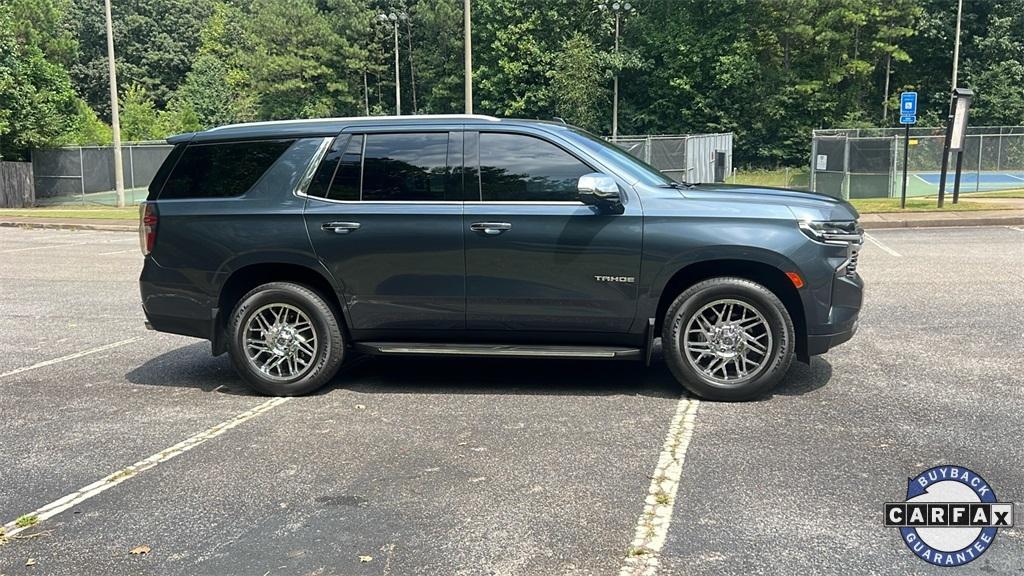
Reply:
x=445, y=202
x=312, y=167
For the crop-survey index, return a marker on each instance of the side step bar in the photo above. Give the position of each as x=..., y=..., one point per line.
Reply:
x=499, y=350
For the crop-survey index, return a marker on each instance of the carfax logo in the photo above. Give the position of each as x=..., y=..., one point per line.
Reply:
x=951, y=515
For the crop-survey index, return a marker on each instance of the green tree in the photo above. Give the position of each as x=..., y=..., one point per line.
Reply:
x=48, y=25
x=139, y=117
x=297, y=62
x=578, y=83
x=37, y=103
x=86, y=129
x=155, y=42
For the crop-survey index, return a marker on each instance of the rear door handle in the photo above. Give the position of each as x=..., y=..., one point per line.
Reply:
x=340, y=227
x=490, y=228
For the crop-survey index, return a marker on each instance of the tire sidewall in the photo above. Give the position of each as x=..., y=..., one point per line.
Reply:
x=329, y=348
x=695, y=298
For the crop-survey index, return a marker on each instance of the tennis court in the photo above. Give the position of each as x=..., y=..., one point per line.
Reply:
x=984, y=181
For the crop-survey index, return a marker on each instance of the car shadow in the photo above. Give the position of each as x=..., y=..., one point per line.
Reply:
x=192, y=367
x=803, y=378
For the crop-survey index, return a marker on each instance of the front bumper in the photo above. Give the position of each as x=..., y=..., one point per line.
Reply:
x=843, y=316
x=821, y=343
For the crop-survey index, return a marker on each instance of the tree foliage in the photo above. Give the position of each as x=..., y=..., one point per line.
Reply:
x=768, y=70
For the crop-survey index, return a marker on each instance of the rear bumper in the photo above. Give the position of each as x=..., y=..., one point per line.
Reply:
x=172, y=303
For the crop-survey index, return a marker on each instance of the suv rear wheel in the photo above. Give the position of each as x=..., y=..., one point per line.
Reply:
x=728, y=339
x=285, y=340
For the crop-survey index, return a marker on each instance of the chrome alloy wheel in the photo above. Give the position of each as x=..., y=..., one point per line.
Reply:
x=728, y=342
x=280, y=341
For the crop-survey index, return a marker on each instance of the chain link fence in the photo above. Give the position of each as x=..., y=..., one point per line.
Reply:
x=84, y=175
x=868, y=163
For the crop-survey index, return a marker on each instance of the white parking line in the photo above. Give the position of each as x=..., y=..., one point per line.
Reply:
x=40, y=247
x=885, y=248
x=111, y=480
x=69, y=357
x=118, y=252
x=652, y=527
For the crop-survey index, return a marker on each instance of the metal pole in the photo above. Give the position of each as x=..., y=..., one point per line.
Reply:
x=615, y=84
x=814, y=162
x=956, y=179
x=81, y=172
x=131, y=169
x=956, y=45
x=412, y=70
x=115, y=122
x=981, y=147
x=845, y=191
x=906, y=161
x=945, y=160
x=468, y=43
x=398, y=81
x=366, y=94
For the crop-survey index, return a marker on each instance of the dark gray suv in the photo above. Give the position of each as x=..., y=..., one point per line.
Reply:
x=291, y=245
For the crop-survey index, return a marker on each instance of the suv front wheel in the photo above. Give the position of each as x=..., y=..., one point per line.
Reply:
x=728, y=339
x=285, y=340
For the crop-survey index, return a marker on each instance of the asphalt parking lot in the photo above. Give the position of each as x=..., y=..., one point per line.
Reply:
x=495, y=467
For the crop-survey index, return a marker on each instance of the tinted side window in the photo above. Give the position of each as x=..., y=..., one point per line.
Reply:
x=405, y=166
x=518, y=168
x=221, y=170
x=337, y=178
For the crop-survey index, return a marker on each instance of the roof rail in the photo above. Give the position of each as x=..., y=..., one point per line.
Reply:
x=351, y=118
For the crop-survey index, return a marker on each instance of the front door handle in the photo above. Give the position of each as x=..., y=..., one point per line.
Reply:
x=340, y=227
x=490, y=228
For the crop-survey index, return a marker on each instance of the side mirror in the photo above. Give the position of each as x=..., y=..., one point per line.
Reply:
x=601, y=191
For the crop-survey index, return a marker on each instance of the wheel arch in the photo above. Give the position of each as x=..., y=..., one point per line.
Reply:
x=244, y=279
x=767, y=275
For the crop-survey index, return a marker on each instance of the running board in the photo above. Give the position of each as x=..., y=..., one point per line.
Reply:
x=498, y=350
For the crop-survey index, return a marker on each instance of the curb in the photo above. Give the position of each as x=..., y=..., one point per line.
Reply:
x=67, y=226
x=1008, y=221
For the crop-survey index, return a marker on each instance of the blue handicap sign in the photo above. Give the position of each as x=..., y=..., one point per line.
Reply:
x=908, y=119
x=908, y=105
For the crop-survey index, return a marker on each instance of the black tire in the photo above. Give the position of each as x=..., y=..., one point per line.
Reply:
x=773, y=364
x=330, y=349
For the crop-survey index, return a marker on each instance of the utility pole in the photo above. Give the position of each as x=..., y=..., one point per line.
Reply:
x=115, y=121
x=617, y=8
x=956, y=45
x=468, y=44
x=393, y=18
x=398, y=81
x=615, y=83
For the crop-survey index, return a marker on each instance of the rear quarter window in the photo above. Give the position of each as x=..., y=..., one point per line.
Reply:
x=221, y=170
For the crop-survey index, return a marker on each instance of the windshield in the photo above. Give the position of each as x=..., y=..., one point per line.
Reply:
x=624, y=160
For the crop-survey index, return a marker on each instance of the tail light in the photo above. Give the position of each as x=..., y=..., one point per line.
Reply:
x=147, y=227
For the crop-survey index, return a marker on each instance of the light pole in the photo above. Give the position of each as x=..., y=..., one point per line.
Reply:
x=619, y=9
x=468, y=59
x=956, y=44
x=393, y=18
x=115, y=122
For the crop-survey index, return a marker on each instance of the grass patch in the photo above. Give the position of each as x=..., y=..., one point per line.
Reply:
x=1019, y=193
x=26, y=521
x=83, y=213
x=637, y=551
x=779, y=178
x=882, y=205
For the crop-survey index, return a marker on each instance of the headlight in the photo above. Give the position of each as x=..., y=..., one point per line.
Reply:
x=844, y=233
x=840, y=233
